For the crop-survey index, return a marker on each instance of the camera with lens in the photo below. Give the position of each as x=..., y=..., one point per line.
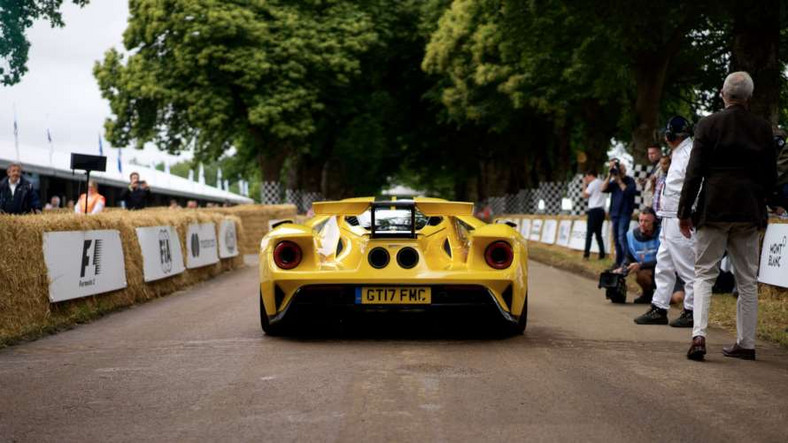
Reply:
x=615, y=285
x=614, y=170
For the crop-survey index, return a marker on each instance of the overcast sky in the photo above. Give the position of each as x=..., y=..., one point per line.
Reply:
x=59, y=91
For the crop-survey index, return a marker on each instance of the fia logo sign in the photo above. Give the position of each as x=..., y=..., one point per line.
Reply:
x=165, y=252
x=229, y=238
x=90, y=263
x=195, y=242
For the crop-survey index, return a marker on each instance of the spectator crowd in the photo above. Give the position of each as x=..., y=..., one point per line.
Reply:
x=707, y=199
x=18, y=196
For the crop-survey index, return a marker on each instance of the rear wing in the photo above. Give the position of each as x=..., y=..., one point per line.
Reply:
x=429, y=208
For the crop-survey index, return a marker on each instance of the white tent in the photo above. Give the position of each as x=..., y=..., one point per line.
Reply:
x=39, y=160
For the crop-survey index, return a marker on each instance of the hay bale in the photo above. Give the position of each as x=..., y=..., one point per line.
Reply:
x=255, y=222
x=25, y=310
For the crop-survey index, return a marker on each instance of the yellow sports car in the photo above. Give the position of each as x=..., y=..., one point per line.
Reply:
x=405, y=255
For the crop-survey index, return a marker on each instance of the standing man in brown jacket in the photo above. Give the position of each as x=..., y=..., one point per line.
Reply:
x=731, y=172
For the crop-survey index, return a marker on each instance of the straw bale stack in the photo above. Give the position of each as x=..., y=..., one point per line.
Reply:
x=25, y=310
x=255, y=222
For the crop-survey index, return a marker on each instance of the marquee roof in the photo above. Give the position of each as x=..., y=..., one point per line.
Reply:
x=57, y=164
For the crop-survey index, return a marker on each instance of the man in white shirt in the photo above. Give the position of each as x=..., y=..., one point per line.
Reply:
x=592, y=191
x=676, y=254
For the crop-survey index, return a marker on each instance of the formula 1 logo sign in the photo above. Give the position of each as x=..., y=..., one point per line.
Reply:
x=774, y=256
x=228, y=241
x=82, y=263
x=201, y=245
x=162, y=254
x=91, y=262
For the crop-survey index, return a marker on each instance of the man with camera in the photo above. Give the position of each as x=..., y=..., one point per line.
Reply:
x=136, y=194
x=732, y=171
x=622, y=191
x=676, y=253
x=642, y=246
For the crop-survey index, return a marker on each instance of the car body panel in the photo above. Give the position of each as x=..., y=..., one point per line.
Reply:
x=466, y=236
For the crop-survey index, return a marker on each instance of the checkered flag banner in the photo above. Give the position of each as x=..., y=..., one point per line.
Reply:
x=497, y=204
x=293, y=197
x=307, y=198
x=639, y=173
x=574, y=192
x=270, y=193
x=551, y=193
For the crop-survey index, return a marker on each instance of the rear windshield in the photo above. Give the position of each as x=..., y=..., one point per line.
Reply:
x=392, y=220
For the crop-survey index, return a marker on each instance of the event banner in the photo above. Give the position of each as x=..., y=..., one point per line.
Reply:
x=82, y=263
x=228, y=239
x=774, y=256
x=162, y=255
x=525, y=227
x=201, y=245
x=578, y=237
x=548, y=231
x=536, y=229
x=564, y=233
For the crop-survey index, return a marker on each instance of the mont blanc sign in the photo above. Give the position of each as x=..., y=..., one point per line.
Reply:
x=201, y=247
x=774, y=256
x=82, y=263
x=162, y=255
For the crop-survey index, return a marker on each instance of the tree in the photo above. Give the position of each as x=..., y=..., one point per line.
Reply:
x=211, y=75
x=756, y=41
x=16, y=17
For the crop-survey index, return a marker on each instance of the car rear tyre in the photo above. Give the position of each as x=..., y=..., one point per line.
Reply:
x=274, y=330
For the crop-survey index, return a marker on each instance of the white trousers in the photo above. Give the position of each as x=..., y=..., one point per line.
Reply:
x=676, y=255
x=741, y=240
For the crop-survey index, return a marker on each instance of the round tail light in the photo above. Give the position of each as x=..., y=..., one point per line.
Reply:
x=407, y=258
x=287, y=255
x=499, y=255
x=378, y=258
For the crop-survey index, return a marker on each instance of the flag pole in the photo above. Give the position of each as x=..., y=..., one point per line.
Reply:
x=51, y=148
x=16, y=136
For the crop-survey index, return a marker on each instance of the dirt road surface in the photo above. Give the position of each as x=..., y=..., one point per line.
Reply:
x=195, y=366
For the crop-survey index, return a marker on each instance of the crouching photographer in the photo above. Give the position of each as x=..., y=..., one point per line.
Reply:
x=641, y=258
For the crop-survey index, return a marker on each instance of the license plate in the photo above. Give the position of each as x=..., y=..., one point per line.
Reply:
x=402, y=295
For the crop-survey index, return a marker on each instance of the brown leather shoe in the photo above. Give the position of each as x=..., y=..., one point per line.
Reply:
x=697, y=349
x=737, y=351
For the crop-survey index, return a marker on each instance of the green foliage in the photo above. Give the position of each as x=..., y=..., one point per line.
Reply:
x=464, y=98
x=16, y=17
x=210, y=74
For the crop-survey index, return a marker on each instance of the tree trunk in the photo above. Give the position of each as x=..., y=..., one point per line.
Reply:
x=756, y=37
x=271, y=164
x=310, y=172
x=650, y=73
x=650, y=70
